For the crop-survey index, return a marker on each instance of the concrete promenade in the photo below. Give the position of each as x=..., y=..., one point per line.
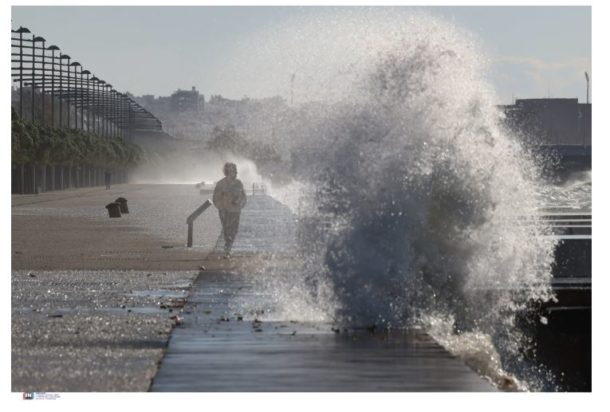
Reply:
x=226, y=343
x=72, y=230
x=219, y=350
x=95, y=301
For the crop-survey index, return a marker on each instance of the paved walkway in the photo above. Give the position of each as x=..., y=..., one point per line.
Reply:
x=217, y=349
x=91, y=309
x=72, y=230
x=266, y=226
x=94, y=299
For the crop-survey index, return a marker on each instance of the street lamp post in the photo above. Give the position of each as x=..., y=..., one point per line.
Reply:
x=77, y=169
x=33, y=74
x=124, y=114
x=75, y=65
x=132, y=115
x=96, y=94
x=68, y=92
x=63, y=57
x=36, y=39
x=102, y=108
x=119, y=113
x=114, y=111
x=111, y=97
x=82, y=101
x=108, y=87
x=21, y=30
x=40, y=39
x=102, y=96
x=53, y=48
x=87, y=73
x=117, y=118
x=128, y=117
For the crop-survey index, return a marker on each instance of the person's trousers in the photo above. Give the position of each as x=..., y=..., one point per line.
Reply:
x=230, y=225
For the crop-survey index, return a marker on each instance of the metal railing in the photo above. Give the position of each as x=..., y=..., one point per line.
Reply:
x=191, y=219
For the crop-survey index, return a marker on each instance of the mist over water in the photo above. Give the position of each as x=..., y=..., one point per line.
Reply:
x=411, y=197
x=193, y=167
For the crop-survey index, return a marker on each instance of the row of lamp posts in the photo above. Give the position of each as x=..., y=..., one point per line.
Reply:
x=103, y=110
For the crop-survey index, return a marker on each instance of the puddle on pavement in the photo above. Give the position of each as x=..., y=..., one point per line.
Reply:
x=59, y=312
x=170, y=294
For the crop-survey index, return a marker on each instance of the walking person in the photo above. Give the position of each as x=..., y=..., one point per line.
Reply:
x=229, y=198
x=107, y=178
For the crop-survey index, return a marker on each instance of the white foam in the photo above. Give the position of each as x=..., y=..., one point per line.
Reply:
x=409, y=185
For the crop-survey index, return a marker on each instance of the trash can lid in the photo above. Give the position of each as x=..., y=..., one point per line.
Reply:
x=113, y=204
x=121, y=200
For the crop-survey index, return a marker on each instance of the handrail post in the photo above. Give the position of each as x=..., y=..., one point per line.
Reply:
x=189, y=242
x=191, y=219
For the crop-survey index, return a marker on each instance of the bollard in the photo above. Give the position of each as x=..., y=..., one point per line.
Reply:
x=114, y=209
x=123, y=203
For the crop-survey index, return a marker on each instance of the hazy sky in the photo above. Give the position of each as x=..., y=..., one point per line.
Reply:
x=538, y=51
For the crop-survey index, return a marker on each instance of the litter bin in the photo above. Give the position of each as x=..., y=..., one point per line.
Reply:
x=114, y=209
x=123, y=202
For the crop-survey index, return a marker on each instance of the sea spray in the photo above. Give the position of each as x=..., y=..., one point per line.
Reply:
x=187, y=165
x=420, y=204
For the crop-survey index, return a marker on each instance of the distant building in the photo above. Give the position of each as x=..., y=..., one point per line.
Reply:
x=557, y=122
x=218, y=100
x=147, y=100
x=187, y=100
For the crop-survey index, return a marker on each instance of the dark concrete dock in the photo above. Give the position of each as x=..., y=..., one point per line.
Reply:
x=563, y=341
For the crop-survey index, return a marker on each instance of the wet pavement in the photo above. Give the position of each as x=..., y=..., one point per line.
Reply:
x=74, y=331
x=266, y=226
x=94, y=301
x=219, y=350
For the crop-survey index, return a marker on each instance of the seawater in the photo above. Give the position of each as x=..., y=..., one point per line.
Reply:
x=411, y=194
